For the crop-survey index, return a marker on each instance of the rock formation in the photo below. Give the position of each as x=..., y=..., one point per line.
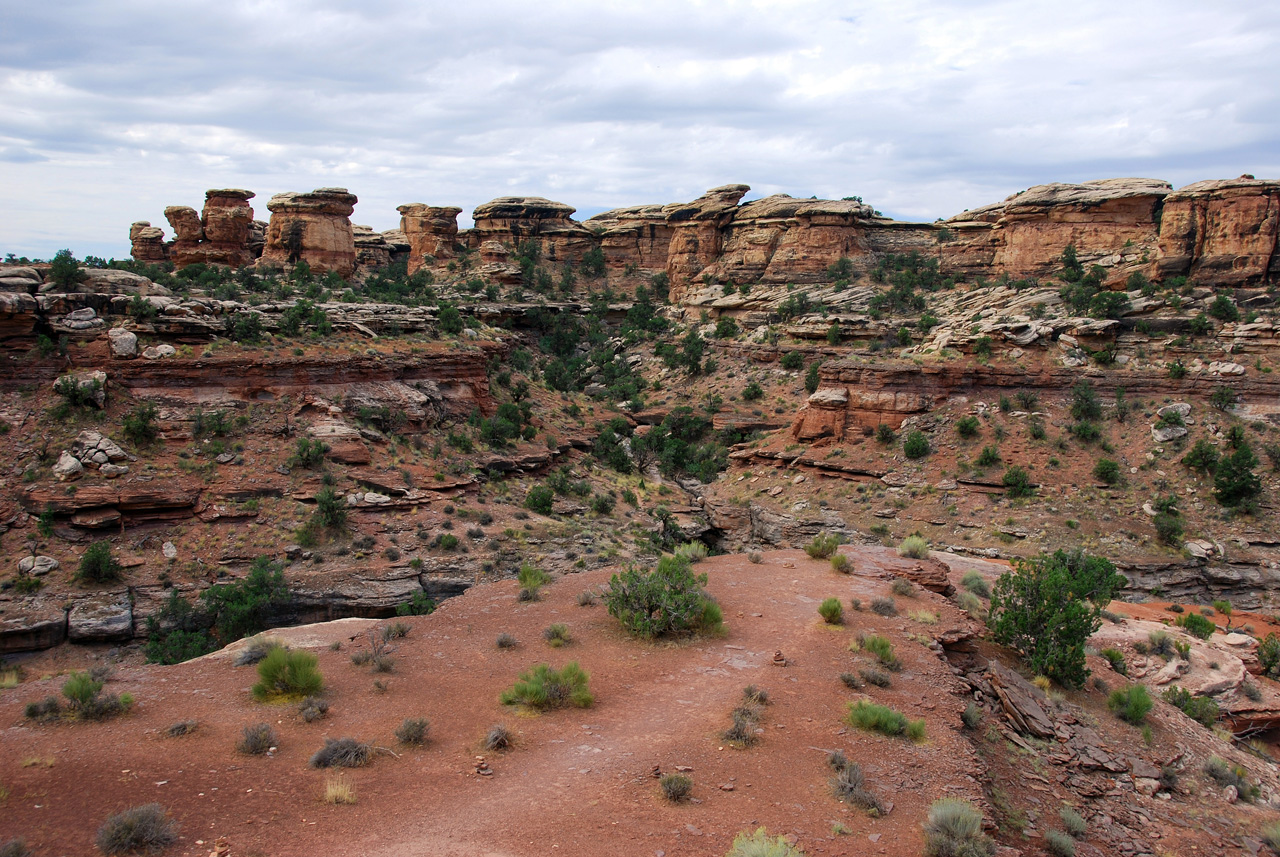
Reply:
x=1221, y=232
x=147, y=242
x=512, y=219
x=218, y=236
x=314, y=228
x=432, y=232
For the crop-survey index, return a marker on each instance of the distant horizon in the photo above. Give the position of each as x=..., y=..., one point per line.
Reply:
x=924, y=108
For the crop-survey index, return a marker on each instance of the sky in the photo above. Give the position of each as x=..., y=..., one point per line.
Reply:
x=110, y=111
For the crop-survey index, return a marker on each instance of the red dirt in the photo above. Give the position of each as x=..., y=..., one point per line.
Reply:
x=578, y=782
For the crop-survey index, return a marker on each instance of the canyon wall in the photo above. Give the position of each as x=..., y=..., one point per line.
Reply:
x=1216, y=233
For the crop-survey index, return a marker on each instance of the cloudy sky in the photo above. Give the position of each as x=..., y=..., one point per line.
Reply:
x=109, y=111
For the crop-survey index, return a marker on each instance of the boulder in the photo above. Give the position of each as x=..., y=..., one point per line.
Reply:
x=147, y=243
x=37, y=565
x=95, y=449
x=124, y=343
x=1022, y=702
x=101, y=618
x=157, y=352
x=31, y=626
x=67, y=467
x=1168, y=433
x=19, y=278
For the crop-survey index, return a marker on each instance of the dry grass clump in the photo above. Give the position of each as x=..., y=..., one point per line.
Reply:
x=849, y=784
x=338, y=789
x=342, y=753
x=147, y=828
x=676, y=787
x=256, y=739
x=499, y=737
x=182, y=727
x=413, y=731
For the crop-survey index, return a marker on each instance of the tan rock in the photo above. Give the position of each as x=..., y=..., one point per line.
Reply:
x=312, y=227
x=147, y=243
x=1221, y=232
x=431, y=231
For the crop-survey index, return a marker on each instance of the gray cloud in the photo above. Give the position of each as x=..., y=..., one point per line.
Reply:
x=923, y=107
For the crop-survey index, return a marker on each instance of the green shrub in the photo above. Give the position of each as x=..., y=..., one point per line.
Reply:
x=532, y=579
x=1017, y=483
x=694, y=552
x=1269, y=655
x=146, y=828
x=1202, y=709
x=98, y=565
x=1116, y=658
x=841, y=563
x=976, y=583
x=140, y=424
x=954, y=829
x=1196, y=625
x=1085, y=404
x=792, y=361
x=915, y=547
x=308, y=453
x=916, y=445
x=879, y=646
x=1073, y=822
x=752, y=392
x=543, y=688
x=342, y=753
x=1059, y=844
x=1049, y=606
x=1168, y=527
x=1203, y=456
x=871, y=717
x=1107, y=471
x=1225, y=774
x=85, y=700
x=987, y=457
x=667, y=600
x=822, y=546
x=884, y=435
x=676, y=787
x=245, y=607
x=287, y=673
x=539, y=499
x=331, y=509
x=1130, y=705
x=968, y=427
x=761, y=844
x=557, y=635
x=1234, y=482
x=831, y=611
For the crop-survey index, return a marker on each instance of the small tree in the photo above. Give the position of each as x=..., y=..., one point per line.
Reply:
x=140, y=424
x=539, y=499
x=811, y=379
x=1107, y=471
x=450, y=320
x=1085, y=404
x=64, y=270
x=1049, y=606
x=916, y=445
x=1235, y=484
x=98, y=565
x=1203, y=456
x=331, y=509
x=667, y=600
x=1017, y=483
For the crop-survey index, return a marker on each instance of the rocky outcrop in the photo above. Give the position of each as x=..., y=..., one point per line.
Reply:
x=147, y=243
x=314, y=228
x=432, y=233
x=1222, y=232
x=376, y=250
x=698, y=234
x=508, y=220
x=1111, y=222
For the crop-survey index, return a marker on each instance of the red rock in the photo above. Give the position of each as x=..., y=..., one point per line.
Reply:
x=312, y=227
x=1221, y=232
x=431, y=231
x=147, y=243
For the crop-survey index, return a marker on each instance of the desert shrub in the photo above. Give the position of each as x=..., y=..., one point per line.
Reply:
x=543, y=688
x=884, y=435
x=497, y=738
x=752, y=695
x=915, y=547
x=916, y=445
x=1234, y=482
x=851, y=681
x=15, y=848
x=147, y=828
x=1059, y=844
x=182, y=727
x=139, y=425
x=761, y=844
x=792, y=361
x=742, y=732
x=308, y=453
x=413, y=731
x=841, y=563
x=694, y=552
x=976, y=583
x=969, y=603
x=1107, y=471
x=882, y=649
x=313, y=708
x=877, y=677
x=987, y=457
x=1160, y=643
x=256, y=650
x=1270, y=836
x=342, y=753
x=86, y=701
x=1116, y=658
x=971, y=717
x=954, y=829
x=532, y=579
x=287, y=673
x=245, y=607
x=419, y=605
x=506, y=641
x=872, y=717
x=1073, y=822
x=884, y=606
x=1130, y=705
x=1196, y=625
x=1203, y=456
x=586, y=598
x=1017, y=482
x=967, y=427
x=339, y=790
x=557, y=635
x=256, y=739
x=822, y=546
x=1225, y=774
x=849, y=784
x=539, y=499
x=831, y=611
x=1049, y=606
x=667, y=600
x=1202, y=709
x=1269, y=655
x=755, y=557
x=98, y=565
x=902, y=587
x=676, y=787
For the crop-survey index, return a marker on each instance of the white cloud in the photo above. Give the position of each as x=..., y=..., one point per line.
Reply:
x=922, y=107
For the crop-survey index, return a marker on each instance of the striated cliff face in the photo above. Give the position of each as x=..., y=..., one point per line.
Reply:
x=1216, y=233
x=312, y=227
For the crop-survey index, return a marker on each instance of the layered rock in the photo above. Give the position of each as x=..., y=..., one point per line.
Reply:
x=1110, y=222
x=636, y=238
x=376, y=250
x=508, y=220
x=698, y=234
x=147, y=243
x=314, y=228
x=432, y=232
x=1221, y=232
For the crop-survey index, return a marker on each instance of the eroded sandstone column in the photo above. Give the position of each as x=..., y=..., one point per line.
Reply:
x=431, y=231
x=312, y=227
